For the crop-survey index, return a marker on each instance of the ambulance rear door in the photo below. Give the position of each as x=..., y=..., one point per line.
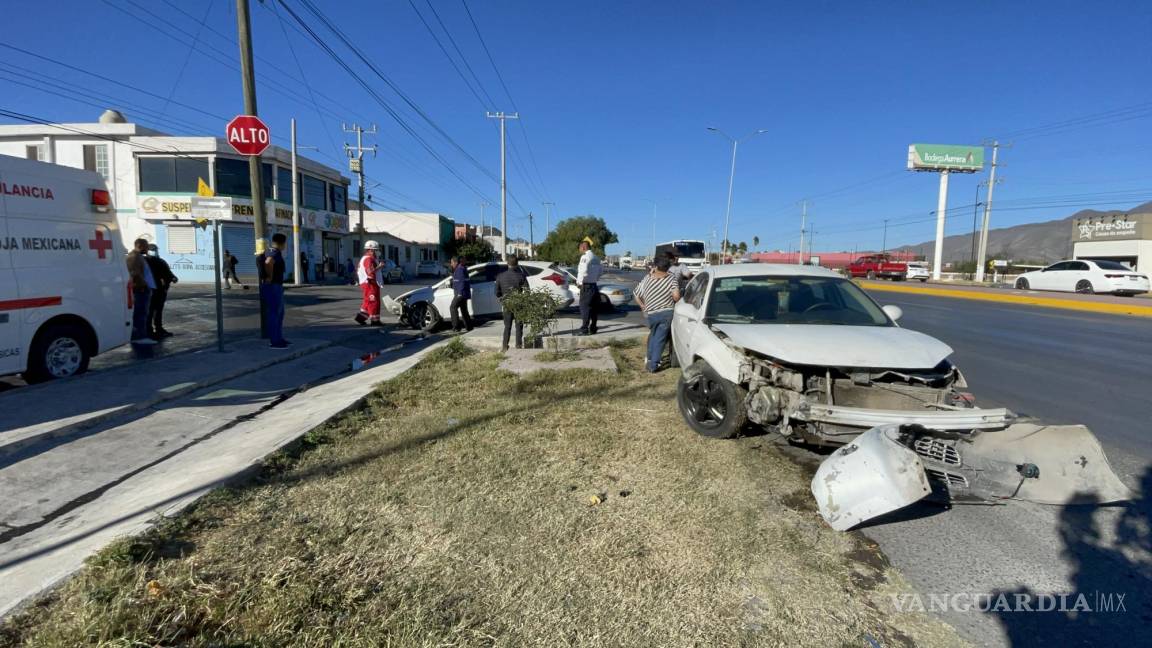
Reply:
x=11, y=352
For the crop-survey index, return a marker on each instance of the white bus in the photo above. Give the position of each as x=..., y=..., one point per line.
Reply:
x=691, y=253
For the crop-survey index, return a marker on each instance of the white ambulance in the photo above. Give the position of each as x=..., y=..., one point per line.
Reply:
x=64, y=293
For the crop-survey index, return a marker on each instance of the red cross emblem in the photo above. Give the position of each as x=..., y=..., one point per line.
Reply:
x=99, y=244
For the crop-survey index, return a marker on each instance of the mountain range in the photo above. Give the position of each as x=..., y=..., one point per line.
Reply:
x=1032, y=242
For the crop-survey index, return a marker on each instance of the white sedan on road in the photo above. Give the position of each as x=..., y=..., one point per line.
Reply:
x=918, y=271
x=1086, y=276
x=611, y=294
x=804, y=352
x=425, y=308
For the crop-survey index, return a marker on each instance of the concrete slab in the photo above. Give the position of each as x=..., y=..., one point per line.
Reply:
x=38, y=559
x=525, y=361
x=489, y=336
x=35, y=413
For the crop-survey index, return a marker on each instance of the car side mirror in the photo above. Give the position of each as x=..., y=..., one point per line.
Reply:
x=893, y=311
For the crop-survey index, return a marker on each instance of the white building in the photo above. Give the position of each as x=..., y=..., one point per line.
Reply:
x=405, y=237
x=152, y=177
x=1125, y=238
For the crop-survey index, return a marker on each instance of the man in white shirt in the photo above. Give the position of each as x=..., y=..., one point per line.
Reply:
x=587, y=274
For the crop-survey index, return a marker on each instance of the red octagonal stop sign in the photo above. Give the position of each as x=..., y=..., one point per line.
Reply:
x=248, y=135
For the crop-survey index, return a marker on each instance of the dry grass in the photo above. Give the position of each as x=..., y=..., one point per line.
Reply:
x=457, y=510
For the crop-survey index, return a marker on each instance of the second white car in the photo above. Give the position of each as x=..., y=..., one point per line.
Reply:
x=1086, y=276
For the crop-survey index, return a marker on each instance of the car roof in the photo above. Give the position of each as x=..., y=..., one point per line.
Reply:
x=769, y=269
x=534, y=264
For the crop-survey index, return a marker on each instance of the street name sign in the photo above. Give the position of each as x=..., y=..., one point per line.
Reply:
x=214, y=208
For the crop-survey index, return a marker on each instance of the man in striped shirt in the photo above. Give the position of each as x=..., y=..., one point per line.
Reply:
x=657, y=294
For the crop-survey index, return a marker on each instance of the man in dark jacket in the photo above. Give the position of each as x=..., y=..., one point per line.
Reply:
x=461, y=293
x=162, y=274
x=511, y=280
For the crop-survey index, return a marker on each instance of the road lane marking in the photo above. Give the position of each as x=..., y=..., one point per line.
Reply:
x=1029, y=300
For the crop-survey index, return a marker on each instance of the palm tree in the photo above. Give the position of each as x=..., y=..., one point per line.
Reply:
x=755, y=242
x=742, y=248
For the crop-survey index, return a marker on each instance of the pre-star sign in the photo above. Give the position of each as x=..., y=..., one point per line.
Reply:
x=248, y=135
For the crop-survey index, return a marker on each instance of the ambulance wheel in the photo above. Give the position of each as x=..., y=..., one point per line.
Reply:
x=59, y=351
x=425, y=317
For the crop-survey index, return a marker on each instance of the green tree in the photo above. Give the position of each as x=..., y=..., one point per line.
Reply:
x=741, y=248
x=474, y=251
x=563, y=242
x=628, y=253
x=755, y=242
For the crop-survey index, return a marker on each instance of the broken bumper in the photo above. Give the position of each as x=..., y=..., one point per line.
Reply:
x=958, y=420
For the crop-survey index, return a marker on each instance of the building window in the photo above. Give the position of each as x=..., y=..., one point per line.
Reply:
x=172, y=174
x=312, y=192
x=284, y=185
x=234, y=179
x=339, y=195
x=408, y=253
x=96, y=158
x=34, y=152
x=181, y=238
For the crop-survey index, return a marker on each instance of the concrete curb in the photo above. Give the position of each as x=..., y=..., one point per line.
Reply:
x=10, y=446
x=1135, y=310
x=57, y=570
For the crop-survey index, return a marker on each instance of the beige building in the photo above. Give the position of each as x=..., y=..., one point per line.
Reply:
x=1125, y=238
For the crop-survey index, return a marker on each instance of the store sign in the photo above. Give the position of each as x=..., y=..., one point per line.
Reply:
x=945, y=157
x=181, y=208
x=1125, y=227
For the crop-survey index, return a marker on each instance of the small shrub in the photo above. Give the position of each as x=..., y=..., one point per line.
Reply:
x=451, y=352
x=536, y=308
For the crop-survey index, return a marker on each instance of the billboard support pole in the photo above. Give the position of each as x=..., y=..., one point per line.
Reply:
x=987, y=216
x=941, y=209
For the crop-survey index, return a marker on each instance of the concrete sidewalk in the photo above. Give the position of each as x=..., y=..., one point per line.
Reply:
x=38, y=412
x=67, y=498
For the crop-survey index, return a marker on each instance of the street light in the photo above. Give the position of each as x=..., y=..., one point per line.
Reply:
x=731, y=177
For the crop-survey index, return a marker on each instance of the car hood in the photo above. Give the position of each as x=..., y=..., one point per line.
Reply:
x=418, y=294
x=876, y=347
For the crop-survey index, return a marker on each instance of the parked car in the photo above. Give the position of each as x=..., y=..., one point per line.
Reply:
x=880, y=266
x=424, y=308
x=611, y=295
x=804, y=352
x=431, y=269
x=1086, y=276
x=918, y=270
x=64, y=294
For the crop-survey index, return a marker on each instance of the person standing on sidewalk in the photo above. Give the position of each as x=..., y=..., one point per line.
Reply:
x=657, y=295
x=271, y=267
x=230, y=271
x=368, y=275
x=587, y=274
x=162, y=274
x=143, y=283
x=510, y=281
x=461, y=293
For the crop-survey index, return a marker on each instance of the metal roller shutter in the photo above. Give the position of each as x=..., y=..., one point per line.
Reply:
x=241, y=242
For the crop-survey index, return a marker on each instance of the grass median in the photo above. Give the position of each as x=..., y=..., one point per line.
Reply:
x=466, y=506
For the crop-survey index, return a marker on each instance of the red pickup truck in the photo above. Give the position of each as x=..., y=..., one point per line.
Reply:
x=878, y=266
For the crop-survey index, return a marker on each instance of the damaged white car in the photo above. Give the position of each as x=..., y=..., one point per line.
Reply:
x=804, y=352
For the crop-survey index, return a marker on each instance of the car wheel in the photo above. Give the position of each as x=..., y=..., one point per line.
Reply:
x=1084, y=287
x=1021, y=284
x=871, y=275
x=605, y=304
x=425, y=317
x=923, y=279
x=712, y=406
x=58, y=352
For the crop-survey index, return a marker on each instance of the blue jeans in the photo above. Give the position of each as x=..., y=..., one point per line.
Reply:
x=140, y=299
x=659, y=325
x=273, y=297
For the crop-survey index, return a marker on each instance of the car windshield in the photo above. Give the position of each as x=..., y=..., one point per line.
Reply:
x=792, y=300
x=1112, y=265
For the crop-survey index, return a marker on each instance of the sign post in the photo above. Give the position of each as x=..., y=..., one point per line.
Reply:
x=211, y=208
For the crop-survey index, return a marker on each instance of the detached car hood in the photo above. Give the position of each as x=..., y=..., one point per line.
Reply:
x=877, y=347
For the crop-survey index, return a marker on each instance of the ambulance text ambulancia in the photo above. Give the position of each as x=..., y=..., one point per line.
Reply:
x=63, y=290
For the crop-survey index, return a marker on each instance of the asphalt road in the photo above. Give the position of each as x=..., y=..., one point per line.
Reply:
x=1061, y=367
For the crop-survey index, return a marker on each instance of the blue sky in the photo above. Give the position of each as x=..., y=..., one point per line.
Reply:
x=616, y=97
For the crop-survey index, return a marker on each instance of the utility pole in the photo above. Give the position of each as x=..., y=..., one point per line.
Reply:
x=356, y=164
x=987, y=216
x=803, y=223
x=297, y=279
x=503, y=182
x=248, y=80
x=548, y=217
x=731, y=179
x=884, y=245
x=975, y=212
x=531, y=238
x=483, y=204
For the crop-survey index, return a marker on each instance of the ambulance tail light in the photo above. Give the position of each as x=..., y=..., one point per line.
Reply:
x=101, y=201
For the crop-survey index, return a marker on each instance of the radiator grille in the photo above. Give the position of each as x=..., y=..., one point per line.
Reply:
x=937, y=450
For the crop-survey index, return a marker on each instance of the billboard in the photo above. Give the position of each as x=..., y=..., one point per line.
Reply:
x=941, y=157
x=1125, y=227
